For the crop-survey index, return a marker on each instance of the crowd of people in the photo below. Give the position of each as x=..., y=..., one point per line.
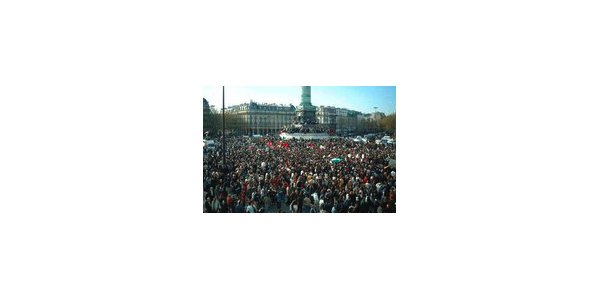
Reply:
x=299, y=176
x=306, y=128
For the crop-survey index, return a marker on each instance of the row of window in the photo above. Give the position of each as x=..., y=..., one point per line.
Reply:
x=270, y=120
x=254, y=108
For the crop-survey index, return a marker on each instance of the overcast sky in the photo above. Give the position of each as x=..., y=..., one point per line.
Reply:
x=360, y=98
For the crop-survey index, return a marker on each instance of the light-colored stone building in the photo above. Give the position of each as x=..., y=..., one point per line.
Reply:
x=262, y=118
x=347, y=120
x=326, y=115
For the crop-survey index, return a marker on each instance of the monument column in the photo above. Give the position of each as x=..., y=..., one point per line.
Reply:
x=306, y=111
x=305, y=96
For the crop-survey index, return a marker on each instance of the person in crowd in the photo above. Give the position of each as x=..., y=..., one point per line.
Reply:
x=215, y=205
x=251, y=207
x=239, y=207
x=294, y=206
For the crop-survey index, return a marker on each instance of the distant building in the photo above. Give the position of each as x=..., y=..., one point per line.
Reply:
x=261, y=118
x=347, y=120
x=326, y=115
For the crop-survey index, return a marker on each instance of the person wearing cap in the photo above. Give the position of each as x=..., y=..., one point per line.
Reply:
x=306, y=205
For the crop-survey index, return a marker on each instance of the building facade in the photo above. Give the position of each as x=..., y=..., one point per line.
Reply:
x=347, y=120
x=261, y=118
x=326, y=115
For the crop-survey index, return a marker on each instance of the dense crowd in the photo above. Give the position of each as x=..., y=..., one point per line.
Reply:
x=303, y=176
x=307, y=127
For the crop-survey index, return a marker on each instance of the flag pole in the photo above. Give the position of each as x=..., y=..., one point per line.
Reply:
x=223, y=128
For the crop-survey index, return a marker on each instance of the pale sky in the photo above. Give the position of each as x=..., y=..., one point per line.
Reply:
x=360, y=98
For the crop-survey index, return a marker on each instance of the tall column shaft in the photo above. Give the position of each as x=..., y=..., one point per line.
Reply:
x=306, y=95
